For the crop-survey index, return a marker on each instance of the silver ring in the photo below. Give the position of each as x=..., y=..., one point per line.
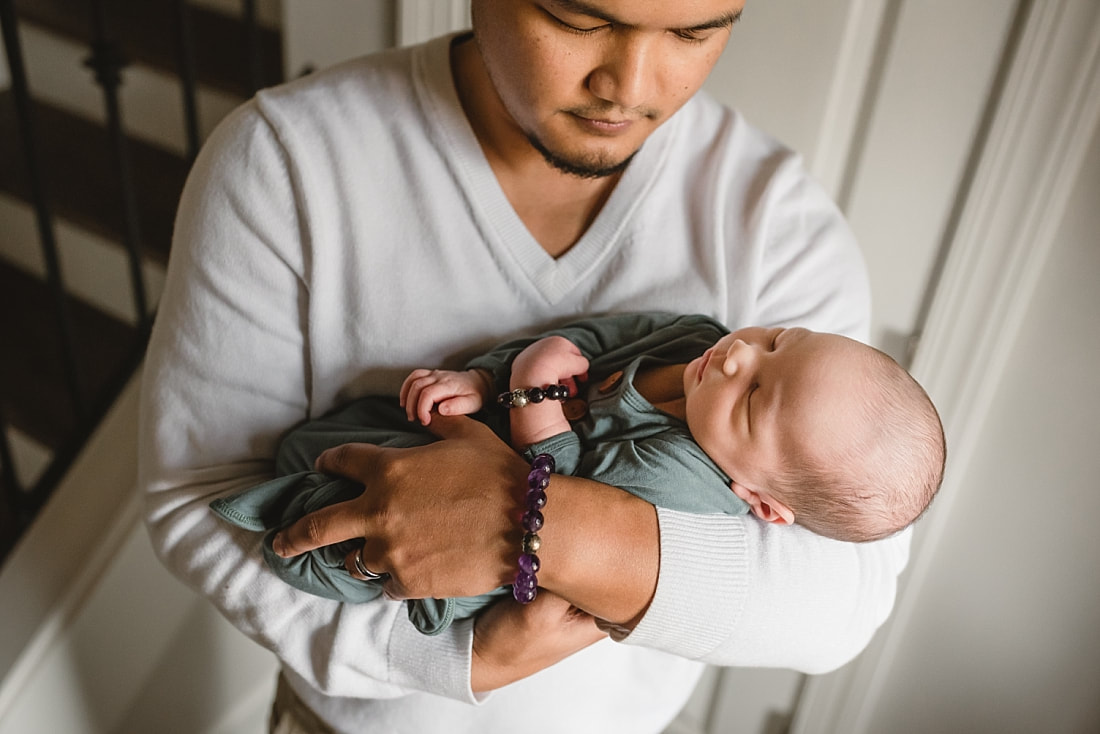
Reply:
x=362, y=568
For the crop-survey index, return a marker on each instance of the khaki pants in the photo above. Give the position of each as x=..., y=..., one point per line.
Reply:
x=290, y=715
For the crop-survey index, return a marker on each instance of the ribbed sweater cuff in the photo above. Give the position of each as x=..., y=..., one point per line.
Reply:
x=701, y=585
x=439, y=664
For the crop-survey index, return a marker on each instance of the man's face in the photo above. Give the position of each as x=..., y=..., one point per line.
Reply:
x=587, y=81
x=759, y=395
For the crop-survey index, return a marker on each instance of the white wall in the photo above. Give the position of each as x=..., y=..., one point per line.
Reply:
x=883, y=100
x=782, y=62
x=1003, y=638
x=995, y=626
x=935, y=84
x=319, y=33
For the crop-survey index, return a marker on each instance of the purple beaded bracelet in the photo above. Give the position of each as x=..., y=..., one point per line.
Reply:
x=521, y=396
x=525, y=586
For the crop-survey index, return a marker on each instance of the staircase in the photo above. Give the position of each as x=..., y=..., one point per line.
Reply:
x=73, y=324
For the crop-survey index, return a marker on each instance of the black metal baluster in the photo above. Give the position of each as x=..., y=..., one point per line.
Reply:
x=107, y=62
x=42, y=210
x=12, y=491
x=11, y=514
x=7, y=460
x=186, y=53
x=252, y=45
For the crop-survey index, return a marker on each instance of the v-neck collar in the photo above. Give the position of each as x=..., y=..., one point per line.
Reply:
x=505, y=233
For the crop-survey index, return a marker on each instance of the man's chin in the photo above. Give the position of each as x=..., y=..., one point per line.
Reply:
x=581, y=166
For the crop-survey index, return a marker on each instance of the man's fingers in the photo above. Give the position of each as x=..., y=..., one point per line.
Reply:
x=351, y=460
x=391, y=586
x=333, y=524
x=357, y=566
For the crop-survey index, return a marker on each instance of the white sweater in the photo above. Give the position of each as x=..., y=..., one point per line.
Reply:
x=343, y=229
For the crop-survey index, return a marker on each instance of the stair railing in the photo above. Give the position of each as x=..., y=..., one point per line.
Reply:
x=43, y=213
x=107, y=62
x=18, y=504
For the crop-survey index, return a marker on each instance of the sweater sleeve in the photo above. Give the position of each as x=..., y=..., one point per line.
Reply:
x=737, y=591
x=227, y=372
x=786, y=598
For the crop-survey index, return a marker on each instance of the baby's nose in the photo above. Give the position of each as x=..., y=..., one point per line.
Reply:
x=737, y=356
x=732, y=361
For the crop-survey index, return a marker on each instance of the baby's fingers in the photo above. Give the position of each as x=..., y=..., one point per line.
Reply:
x=459, y=405
x=452, y=391
x=408, y=386
x=422, y=389
x=576, y=364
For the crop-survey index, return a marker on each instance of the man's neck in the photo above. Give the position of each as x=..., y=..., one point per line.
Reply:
x=556, y=207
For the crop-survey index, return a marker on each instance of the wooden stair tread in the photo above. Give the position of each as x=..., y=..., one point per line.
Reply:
x=146, y=33
x=33, y=391
x=81, y=180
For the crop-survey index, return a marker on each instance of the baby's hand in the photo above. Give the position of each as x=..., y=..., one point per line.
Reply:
x=552, y=360
x=452, y=393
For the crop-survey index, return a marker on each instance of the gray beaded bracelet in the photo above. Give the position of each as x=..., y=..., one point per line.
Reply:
x=521, y=396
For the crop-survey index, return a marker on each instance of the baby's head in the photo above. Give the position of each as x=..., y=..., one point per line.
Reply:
x=817, y=429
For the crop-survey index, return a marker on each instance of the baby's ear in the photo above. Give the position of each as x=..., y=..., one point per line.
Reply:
x=763, y=505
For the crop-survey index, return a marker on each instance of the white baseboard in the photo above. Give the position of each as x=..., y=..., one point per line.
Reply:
x=93, y=652
x=59, y=560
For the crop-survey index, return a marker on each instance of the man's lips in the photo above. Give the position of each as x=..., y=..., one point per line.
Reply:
x=609, y=125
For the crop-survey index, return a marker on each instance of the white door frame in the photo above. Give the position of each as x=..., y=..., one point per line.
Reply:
x=1047, y=116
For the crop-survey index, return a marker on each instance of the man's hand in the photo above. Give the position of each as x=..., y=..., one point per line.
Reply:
x=450, y=392
x=442, y=520
x=513, y=641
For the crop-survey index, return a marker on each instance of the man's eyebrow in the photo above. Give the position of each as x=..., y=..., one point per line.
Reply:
x=724, y=21
x=580, y=7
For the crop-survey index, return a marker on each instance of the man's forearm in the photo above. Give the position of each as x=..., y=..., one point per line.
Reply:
x=600, y=549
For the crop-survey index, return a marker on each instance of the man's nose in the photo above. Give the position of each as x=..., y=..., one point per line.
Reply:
x=628, y=74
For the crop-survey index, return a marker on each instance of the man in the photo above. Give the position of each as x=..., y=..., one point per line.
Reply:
x=415, y=208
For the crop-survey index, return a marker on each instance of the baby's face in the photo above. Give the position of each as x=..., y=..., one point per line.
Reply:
x=760, y=393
